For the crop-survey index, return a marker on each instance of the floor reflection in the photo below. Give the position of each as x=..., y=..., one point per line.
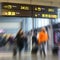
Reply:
x=29, y=56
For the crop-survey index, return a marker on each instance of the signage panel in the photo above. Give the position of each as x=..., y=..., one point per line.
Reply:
x=26, y=10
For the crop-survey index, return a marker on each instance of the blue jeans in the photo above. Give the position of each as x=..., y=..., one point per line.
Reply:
x=42, y=48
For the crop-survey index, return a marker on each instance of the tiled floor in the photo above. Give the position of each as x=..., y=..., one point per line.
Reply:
x=28, y=56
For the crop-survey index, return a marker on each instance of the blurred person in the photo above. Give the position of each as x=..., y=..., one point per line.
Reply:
x=10, y=41
x=34, y=39
x=42, y=39
x=20, y=40
x=25, y=42
x=14, y=48
x=11, y=38
x=4, y=39
x=34, y=43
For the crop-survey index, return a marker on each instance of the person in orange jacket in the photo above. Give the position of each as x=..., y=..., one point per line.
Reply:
x=42, y=39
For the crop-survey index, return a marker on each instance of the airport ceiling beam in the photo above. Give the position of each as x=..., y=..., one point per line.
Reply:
x=36, y=2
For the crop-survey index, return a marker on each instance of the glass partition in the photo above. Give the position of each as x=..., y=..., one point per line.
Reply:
x=40, y=22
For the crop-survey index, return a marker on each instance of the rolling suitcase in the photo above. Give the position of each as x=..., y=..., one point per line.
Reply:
x=15, y=48
x=34, y=49
x=55, y=50
x=14, y=51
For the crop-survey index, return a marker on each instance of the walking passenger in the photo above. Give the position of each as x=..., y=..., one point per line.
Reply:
x=20, y=40
x=26, y=43
x=42, y=39
x=34, y=43
x=34, y=39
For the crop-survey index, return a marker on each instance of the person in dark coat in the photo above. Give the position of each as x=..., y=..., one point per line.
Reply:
x=34, y=39
x=20, y=40
x=34, y=43
x=26, y=43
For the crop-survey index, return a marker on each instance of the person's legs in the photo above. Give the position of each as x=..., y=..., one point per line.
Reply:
x=20, y=49
x=41, y=52
x=40, y=48
x=14, y=50
x=43, y=48
x=19, y=53
x=26, y=47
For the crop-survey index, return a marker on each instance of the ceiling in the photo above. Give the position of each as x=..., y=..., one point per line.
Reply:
x=36, y=2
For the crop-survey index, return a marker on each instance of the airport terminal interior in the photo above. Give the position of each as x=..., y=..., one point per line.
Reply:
x=21, y=25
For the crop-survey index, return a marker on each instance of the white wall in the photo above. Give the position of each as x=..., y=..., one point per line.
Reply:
x=10, y=24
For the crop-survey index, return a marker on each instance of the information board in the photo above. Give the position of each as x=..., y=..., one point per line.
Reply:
x=27, y=10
